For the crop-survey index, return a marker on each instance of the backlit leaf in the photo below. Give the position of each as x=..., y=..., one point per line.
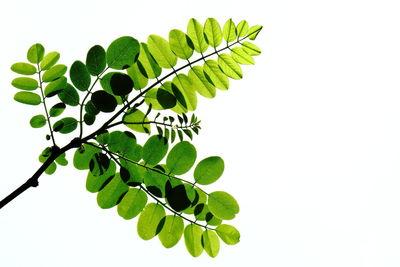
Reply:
x=161, y=51
x=240, y=56
x=210, y=242
x=121, y=84
x=229, y=234
x=55, y=87
x=183, y=83
x=254, y=31
x=193, y=234
x=181, y=158
x=155, y=182
x=80, y=75
x=165, y=99
x=229, y=66
x=99, y=164
x=54, y=72
x=83, y=155
x=214, y=75
x=155, y=149
x=251, y=48
x=149, y=65
x=112, y=193
x=23, y=68
x=139, y=80
x=38, y=121
x=149, y=219
x=69, y=95
x=229, y=31
x=196, y=34
x=242, y=28
x=209, y=170
x=104, y=101
x=200, y=82
x=132, y=203
x=57, y=110
x=96, y=60
x=35, y=53
x=213, y=32
x=49, y=60
x=172, y=231
x=51, y=169
x=25, y=83
x=137, y=121
x=180, y=44
x=223, y=205
x=96, y=183
x=122, y=53
x=65, y=125
x=28, y=98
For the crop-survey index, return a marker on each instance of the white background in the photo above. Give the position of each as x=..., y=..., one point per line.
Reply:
x=310, y=136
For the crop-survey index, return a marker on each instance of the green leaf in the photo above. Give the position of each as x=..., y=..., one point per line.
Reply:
x=193, y=234
x=178, y=197
x=96, y=60
x=214, y=75
x=210, y=242
x=212, y=31
x=89, y=118
x=251, y=49
x=196, y=34
x=57, y=110
x=35, y=53
x=104, y=101
x=201, y=210
x=28, y=98
x=155, y=149
x=229, y=234
x=229, y=66
x=132, y=203
x=139, y=80
x=69, y=95
x=55, y=87
x=38, y=121
x=229, y=31
x=155, y=182
x=61, y=160
x=105, y=82
x=99, y=164
x=254, y=31
x=51, y=169
x=183, y=83
x=121, y=84
x=200, y=82
x=122, y=53
x=209, y=170
x=151, y=98
x=242, y=28
x=54, y=72
x=80, y=75
x=161, y=51
x=150, y=67
x=91, y=109
x=49, y=60
x=172, y=231
x=180, y=44
x=223, y=205
x=165, y=99
x=137, y=121
x=23, y=68
x=112, y=193
x=25, y=83
x=65, y=125
x=131, y=174
x=149, y=220
x=240, y=56
x=212, y=220
x=83, y=155
x=181, y=158
x=96, y=183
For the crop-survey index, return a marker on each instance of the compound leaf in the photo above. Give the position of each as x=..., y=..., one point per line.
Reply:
x=172, y=231
x=132, y=203
x=181, y=158
x=122, y=53
x=149, y=221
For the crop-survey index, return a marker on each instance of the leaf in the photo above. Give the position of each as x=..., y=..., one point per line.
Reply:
x=155, y=149
x=57, y=109
x=254, y=31
x=122, y=53
x=223, y=205
x=65, y=125
x=131, y=174
x=96, y=183
x=183, y=83
x=69, y=95
x=49, y=60
x=214, y=75
x=96, y=60
x=210, y=242
x=137, y=121
x=104, y=101
x=172, y=231
x=242, y=28
x=91, y=109
x=51, y=169
x=240, y=56
x=80, y=75
x=165, y=99
x=201, y=210
x=212, y=31
x=25, y=83
x=212, y=220
x=181, y=158
x=229, y=31
x=178, y=198
x=55, y=87
x=229, y=234
x=200, y=82
x=155, y=182
x=105, y=82
x=121, y=84
x=149, y=219
x=83, y=155
x=139, y=80
x=23, y=68
x=196, y=34
x=38, y=121
x=193, y=234
x=209, y=170
x=161, y=51
x=112, y=193
x=229, y=66
x=251, y=49
x=180, y=44
x=54, y=72
x=150, y=67
x=35, y=53
x=132, y=203
x=28, y=98
x=99, y=164
x=89, y=119
x=61, y=160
